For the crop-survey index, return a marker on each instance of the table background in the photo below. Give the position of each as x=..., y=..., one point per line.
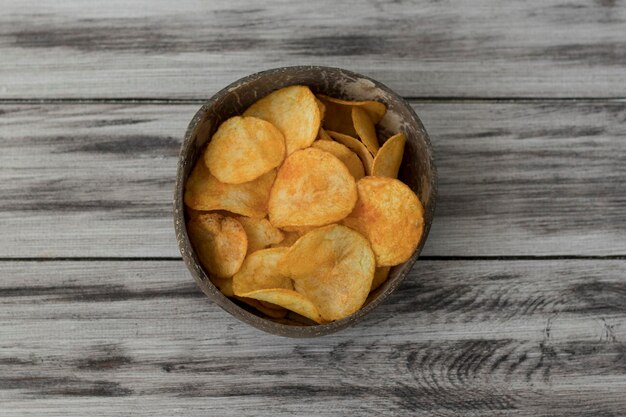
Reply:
x=517, y=307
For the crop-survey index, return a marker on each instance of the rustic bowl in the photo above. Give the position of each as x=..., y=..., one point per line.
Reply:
x=417, y=170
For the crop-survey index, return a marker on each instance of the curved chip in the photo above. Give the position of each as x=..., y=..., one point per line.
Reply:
x=380, y=276
x=259, y=272
x=339, y=113
x=204, y=192
x=322, y=135
x=345, y=155
x=333, y=266
x=243, y=149
x=261, y=233
x=365, y=129
x=358, y=147
x=389, y=157
x=220, y=243
x=390, y=216
x=312, y=188
x=294, y=111
x=289, y=299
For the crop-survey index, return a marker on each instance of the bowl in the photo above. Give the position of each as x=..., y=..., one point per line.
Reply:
x=417, y=171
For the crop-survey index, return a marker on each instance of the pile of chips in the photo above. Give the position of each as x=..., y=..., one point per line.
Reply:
x=296, y=208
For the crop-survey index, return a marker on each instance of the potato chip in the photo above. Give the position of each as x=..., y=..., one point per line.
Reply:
x=388, y=159
x=380, y=276
x=294, y=111
x=289, y=299
x=260, y=232
x=323, y=135
x=275, y=313
x=321, y=107
x=345, y=155
x=365, y=129
x=243, y=149
x=259, y=272
x=225, y=285
x=338, y=117
x=390, y=215
x=205, y=192
x=312, y=188
x=333, y=266
x=299, y=230
x=374, y=109
x=220, y=243
x=358, y=147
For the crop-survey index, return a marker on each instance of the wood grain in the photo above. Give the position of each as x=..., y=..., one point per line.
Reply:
x=458, y=338
x=516, y=179
x=186, y=49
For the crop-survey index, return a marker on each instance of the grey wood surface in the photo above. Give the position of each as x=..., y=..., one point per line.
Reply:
x=518, y=306
x=187, y=48
x=522, y=338
x=523, y=178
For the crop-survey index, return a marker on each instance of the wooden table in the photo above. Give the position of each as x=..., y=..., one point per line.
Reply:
x=517, y=307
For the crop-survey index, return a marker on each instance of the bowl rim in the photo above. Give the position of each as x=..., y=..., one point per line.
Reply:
x=201, y=277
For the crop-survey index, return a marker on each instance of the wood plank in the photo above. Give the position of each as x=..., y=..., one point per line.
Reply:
x=515, y=178
x=183, y=49
x=458, y=338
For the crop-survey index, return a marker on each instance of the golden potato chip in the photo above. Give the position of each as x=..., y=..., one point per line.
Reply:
x=345, y=155
x=299, y=230
x=338, y=117
x=322, y=108
x=243, y=149
x=380, y=276
x=389, y=157
x=312, y=188
x=290, y=239
x=391, y=216
x=333, y=266
x=365, y=129
x=323, y=135
x=260, y=232
x=205, y=192
x=358, y=147
x=225, y=285
x=220, y=243
x=259, y=272
x=294, y=111
x=374, y=109
x=275, y=313
x=289, y=299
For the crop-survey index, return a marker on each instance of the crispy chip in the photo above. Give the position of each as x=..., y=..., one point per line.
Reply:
x=260, y=232
x=380, y=276
x=332, y=266
x=259, y=272
x=205, y=192
x=345, y=155
x=388, y=159
x=220, y=243
x=299, y=230
x=289, y=299
x=275, y=313
x=294, y=111
x=243, y=149
x=374, y=109
x=358, y=147
x=390, y=215
x=323, y=135
x=225, y=285
x=312, y=188
x=338, y=116
x=365, y=129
